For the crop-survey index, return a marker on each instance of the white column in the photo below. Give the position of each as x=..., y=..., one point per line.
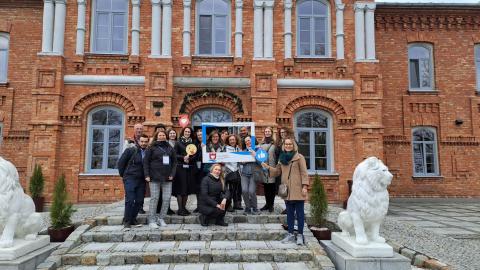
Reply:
x=47, y=34
x=80, y=26
x=288, y=28
x=258, y=29
x=186, y=27
x=359, y=31
x=167, y=28
x=370, y=30
x=238, y=28
x=156, y=27
x=59, y=26
x=268, y=29
x=135, y=27
x=339, y=31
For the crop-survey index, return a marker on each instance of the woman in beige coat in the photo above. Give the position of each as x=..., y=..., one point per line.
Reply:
x=293, y=169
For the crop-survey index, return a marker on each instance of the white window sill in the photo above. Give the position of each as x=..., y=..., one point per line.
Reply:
x=367, y=61
x=160, y=56
x=264, y=59
x=422, y=90
x=98, y=174
x=427, y=177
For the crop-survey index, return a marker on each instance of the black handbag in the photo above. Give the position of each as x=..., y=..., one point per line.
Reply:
x=233, y=177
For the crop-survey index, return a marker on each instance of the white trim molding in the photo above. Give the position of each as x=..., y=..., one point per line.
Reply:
x=186, y=27
x=81, y=5
x=359, y=31
x=211, y=82
x=238, y=28
x=136, y=27
x=156, y=28
x=48, y=18
x=315, y=83
x=288, y=28
x=103, y=80
x=339, y=7
x=59, y=26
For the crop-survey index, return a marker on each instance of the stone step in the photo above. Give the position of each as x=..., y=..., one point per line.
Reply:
x=115, y=253
x=193, y=219
x=182, y=232
x=204, y=266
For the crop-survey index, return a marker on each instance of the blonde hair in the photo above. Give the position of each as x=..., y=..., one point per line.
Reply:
x=221, y=174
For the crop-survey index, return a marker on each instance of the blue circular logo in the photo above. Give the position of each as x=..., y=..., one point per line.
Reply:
x=261, y=155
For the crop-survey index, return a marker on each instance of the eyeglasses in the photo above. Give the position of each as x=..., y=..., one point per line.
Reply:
x=289, y=144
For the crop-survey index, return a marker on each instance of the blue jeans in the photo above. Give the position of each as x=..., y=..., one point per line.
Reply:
x=295, y=207
x=134, y=195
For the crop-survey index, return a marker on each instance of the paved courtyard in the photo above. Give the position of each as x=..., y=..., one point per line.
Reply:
x=459, y=219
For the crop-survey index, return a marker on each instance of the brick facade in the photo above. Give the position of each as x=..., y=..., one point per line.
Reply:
x=45, y=120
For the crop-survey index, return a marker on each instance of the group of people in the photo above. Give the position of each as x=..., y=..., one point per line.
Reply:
x=172, y=166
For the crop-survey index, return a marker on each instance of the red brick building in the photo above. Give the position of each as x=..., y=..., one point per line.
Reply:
x=353, y=78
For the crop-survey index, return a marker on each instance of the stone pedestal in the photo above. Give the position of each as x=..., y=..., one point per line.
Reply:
x=26, y=254
x=344, y=261
x=371, y=250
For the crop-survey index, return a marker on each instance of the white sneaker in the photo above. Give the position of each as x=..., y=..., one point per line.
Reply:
x=153, y=225
x=300, y=240
x=290, y=238
x=162, y=223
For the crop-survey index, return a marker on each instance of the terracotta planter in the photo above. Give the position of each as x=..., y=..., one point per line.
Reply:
x=60, y=235
x=321, y=233
x=39, y=202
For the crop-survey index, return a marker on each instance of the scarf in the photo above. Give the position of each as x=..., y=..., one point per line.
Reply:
x=268, y=140
x=185, y=140
x=215, y=146
x=285, y=157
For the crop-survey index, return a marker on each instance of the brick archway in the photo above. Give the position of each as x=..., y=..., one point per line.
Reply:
x=314, y=101
x=105, y=98
x=211, y=98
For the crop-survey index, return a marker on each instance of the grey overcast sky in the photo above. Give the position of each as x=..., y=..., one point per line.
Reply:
x=431, y=1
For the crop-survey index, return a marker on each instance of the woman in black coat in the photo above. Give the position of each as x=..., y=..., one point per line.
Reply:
x=184, y=183
x=213, y=197
x=159, y=166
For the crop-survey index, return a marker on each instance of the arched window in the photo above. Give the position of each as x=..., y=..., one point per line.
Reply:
x=4, y=46
x=105, y=139
x=110, y=24
x=313, y=28
x=210, y=115
x=213, y=27
x=313, y=130
x=425, y=157
x=420, y=70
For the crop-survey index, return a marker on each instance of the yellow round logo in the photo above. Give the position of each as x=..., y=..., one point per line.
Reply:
x=191, y=149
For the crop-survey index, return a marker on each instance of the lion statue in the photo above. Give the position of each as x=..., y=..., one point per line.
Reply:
x=17, y=211
x=368, y=203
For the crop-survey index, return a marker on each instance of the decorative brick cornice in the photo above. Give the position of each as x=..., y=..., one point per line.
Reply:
x=461, y=140
x=314, y=101
x=425, y=22
x=395, y=140
x=104, y=98
x=18, y=135
x=209, y=97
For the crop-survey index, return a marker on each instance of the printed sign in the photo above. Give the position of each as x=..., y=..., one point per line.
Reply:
x=222, y=157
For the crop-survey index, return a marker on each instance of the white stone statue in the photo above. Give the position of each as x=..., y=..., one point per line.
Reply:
x=368, y=203
x=17, y=210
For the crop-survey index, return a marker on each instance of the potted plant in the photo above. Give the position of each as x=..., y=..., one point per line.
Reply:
x=318, y=210
x=60, y=213
x=37, y=182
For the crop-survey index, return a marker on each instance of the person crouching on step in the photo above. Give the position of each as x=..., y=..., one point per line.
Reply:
x=213, y=197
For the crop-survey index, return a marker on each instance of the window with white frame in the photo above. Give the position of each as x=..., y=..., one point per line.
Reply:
x=213, y=27
x=110, y=24
x=1, y=133
x=3, y=57
x=425, y=157
x=420, y=66
x=105, y=139
x=313, y=28
x=313, y=133
x=477, y=64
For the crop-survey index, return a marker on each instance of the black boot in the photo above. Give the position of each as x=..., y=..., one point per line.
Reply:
x=203, y=220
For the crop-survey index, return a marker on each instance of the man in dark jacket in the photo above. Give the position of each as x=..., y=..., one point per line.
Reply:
x=130, y=167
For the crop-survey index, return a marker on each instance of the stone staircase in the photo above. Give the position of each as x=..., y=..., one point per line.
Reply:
x=249, y=243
